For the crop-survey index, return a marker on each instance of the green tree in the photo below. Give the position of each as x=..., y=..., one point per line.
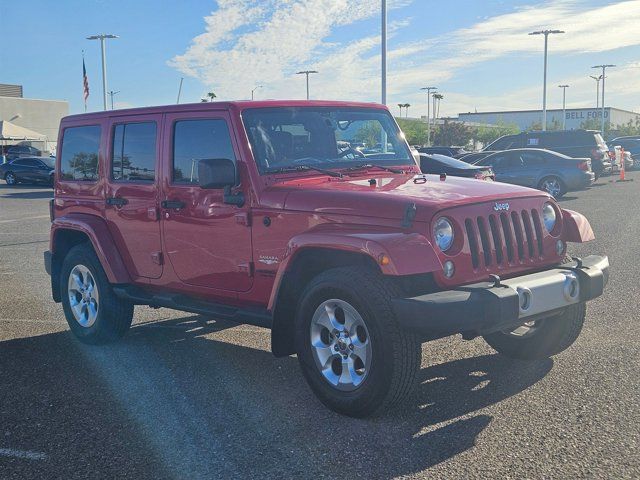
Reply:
x=415, y=131
x=453, y=133
x=370, y=133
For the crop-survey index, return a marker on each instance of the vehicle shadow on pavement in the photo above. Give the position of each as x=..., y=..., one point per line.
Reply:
x=26, y=191
x=192, y=399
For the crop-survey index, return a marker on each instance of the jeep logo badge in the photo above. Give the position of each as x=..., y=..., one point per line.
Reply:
x=501, y=206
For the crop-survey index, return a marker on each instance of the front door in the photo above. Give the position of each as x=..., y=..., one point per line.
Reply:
x=207, y=241
x=132, y=192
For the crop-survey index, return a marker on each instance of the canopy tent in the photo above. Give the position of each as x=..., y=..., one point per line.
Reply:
x=10, y=131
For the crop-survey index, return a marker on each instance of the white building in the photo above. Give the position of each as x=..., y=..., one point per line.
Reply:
x=41, y=116
x=575, y=117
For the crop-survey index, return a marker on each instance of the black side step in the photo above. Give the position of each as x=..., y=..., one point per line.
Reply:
x=252, y=316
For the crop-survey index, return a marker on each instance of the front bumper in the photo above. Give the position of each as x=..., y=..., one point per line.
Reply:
x=484, y=308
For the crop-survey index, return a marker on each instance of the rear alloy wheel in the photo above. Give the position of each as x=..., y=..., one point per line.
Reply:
x=553, y=186
x=94, y=313
x=10, y=178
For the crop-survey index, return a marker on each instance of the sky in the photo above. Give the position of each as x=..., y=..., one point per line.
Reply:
x=477, y=52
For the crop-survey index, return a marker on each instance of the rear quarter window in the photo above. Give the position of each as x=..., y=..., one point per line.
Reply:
x=80, y=148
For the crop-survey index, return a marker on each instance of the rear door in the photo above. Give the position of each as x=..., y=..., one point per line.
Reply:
x=132, y=192
x=533, y=163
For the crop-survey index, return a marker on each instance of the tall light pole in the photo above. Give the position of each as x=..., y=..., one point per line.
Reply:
x=102, y=37
x=260, y=86
x=111, y=94
x=546, y=34
x=307, y=73
x=428, y=90
x=564, y=105
x=604, y=68
x=383, y=41
x=597, y=79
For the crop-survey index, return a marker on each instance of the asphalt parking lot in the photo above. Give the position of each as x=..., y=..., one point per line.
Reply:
x=184, y=396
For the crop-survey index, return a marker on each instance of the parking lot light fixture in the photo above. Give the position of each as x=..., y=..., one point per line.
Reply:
x=307, y=73
x=597, y=79
x=428, y=90
x=546, y=34
x=564, y=105
x=102, y=37
x=604, y=68
x=254, y=89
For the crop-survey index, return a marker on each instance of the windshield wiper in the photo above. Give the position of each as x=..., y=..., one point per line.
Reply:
x=303, y=168
x=370, y=165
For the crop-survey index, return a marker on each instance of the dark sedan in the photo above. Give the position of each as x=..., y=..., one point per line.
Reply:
x=438, y=164
x=28, y=170
x=552, y=172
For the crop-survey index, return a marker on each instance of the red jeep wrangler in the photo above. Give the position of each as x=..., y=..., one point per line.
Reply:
x=312, y=219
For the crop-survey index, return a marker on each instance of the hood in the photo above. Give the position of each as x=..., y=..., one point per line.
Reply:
x=389, y=196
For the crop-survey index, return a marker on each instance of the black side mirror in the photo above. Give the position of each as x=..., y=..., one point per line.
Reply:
x=216, y=173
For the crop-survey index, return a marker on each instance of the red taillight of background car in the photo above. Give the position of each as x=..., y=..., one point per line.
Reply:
x=583, y=166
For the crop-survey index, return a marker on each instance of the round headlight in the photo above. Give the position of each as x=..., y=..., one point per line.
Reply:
x=549, y=216
x=443, y=234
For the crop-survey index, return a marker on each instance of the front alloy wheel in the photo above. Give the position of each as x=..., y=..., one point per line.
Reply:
x=340, y=344
x=10, y=179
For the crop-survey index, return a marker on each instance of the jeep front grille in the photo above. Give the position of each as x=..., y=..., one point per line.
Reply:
x=504, y=238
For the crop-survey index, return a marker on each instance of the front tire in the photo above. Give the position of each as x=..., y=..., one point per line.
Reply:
x=10, y=178
x=93, y=312
x=542, y=338
x=350, y=347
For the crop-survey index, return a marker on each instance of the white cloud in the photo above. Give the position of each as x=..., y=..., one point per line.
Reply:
x=266, y=42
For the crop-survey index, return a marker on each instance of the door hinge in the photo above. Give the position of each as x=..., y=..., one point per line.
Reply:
x=157, y=258
x=243, y=218
x=248, y=268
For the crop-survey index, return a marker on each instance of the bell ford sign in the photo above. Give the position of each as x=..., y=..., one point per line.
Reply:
x=583, y=114
x=574, y=117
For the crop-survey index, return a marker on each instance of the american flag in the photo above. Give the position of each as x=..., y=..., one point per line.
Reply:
x=85, y=82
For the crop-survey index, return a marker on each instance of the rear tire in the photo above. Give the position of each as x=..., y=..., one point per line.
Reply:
x=10, y=178
x=553, y=186
x=549, y=336
x=385, y=373
x=93, y=312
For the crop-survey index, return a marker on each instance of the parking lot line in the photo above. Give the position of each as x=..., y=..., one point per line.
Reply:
x=29, y=455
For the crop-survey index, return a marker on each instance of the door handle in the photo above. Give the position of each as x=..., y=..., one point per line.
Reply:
x=172, y=204
x=117, y=201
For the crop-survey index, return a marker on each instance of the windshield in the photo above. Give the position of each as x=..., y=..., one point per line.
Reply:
x=324, y=137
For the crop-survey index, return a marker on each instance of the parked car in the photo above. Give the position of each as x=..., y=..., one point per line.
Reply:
x=631, y=144
x=545, y=170
x=28, y=170
x=247, y=211
x=17, y=151
x=474, y=157
x=615, y=164
x=448, y=151
x=439, y=164
x=574, y=143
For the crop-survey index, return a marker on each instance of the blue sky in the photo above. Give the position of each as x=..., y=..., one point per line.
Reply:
x=476, y=52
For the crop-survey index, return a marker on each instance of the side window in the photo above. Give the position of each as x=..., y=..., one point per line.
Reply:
x=80, y=147
x=532, y=159
x=18, y=162
x=195, y=140
x=133, y=156
x=31, y=162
